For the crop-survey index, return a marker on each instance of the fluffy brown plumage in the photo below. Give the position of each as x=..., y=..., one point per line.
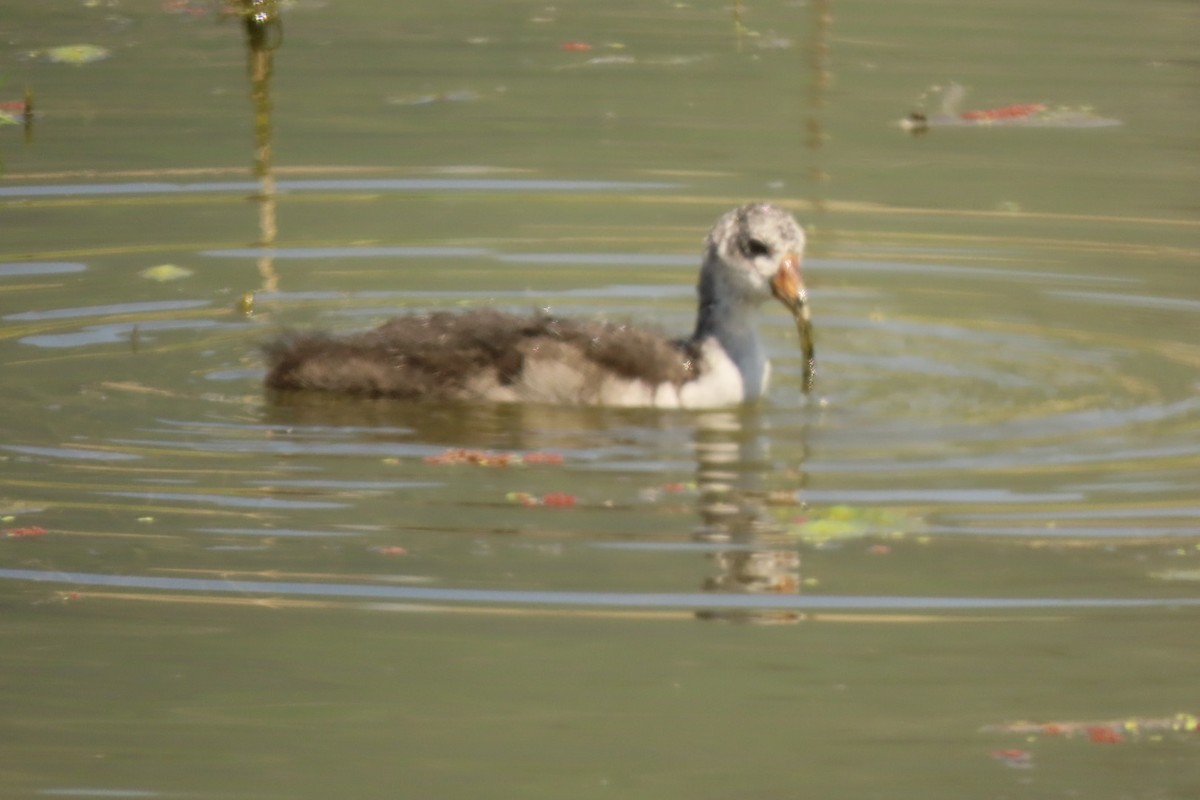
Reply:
x=447, y=356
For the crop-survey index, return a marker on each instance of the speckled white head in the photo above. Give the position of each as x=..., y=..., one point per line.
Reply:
x=748, y=247
x=751, y=254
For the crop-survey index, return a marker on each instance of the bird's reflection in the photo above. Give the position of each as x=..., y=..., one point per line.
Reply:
x=734, y=507
x=739, y=485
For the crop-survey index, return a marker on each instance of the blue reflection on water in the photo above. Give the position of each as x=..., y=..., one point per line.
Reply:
x=70, y=452
x=611, y=599
x=346, y=185
x=1137, y=301
x=1056, y=531
x=120, y=332
x=287, y=532
x=401, y=251
x=227, y=500
x=956, y=270
x=599, y=259
x=291, y=447
x=354, y=485
x=205, y=425
x=974, y=495
x=39, y=268
x=347, y=252
x=100, y=311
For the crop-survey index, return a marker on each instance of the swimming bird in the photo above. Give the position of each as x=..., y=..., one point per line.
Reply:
x=753, y=253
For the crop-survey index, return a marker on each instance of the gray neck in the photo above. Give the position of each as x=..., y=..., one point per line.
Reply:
x=729, y=319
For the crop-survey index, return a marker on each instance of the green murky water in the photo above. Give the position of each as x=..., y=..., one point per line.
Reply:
x=966, y=567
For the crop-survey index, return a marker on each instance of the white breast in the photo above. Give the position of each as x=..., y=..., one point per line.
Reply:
x=578, y=382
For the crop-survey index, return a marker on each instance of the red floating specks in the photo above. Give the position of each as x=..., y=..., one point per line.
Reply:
x=1111, y=731
x=522, y=498
x=188, y=8
x=575, y=47
x=538, y=457
x=654, y=493
x=487, y=458
x=558, y=500
x=1102, y=734
x=394, y=550
x=1015, y=111
x=25, y=533
x=482, y=458
x=551, y=500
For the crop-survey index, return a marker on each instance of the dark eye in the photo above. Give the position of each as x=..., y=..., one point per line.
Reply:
x=753, y=248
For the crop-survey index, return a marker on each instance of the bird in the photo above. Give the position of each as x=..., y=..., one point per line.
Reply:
x=752, y=253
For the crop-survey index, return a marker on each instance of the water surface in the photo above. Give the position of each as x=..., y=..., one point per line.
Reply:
x=984, y=518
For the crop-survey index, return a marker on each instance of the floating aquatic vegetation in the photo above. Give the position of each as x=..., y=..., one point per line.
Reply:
x=191, y=9
x=1031, y=115
x=538, y=457
x=165, y=272
x=31, y=532
x=551, y=500
x=14, y=112
x=75, y=54
x=244, y=305
x=839, y=523
x=655, y=493
x=486, y=458
x=1105, y=731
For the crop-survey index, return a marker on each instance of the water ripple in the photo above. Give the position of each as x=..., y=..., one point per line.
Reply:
x=12, y=269
x=682, y=600
x=106, y=310
x=70, y=452
x=231, y=501
x=334, y=185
